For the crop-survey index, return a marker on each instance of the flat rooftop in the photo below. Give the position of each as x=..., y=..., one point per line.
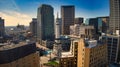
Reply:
x=112, y=35
x=91, y=43
x=67, y=54
x=11, y=45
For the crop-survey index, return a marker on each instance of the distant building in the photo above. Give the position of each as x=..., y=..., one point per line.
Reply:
x=67, y=15
x=94, y=22
x=45, y=23
x=65, y=42
x=20, y=27
x=2, y=27
x=33, y=26
x=87, y=31
x=101, y=24
x=87, y=21
x=75, y=30
x=85, y=53
x=79, y=20
x=113, y=46
x=19, y=55
x=83, y=31
x=57, y=27
x=114, y=15
x=105, y=24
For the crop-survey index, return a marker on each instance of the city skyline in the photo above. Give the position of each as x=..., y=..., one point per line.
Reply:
x=59, y=33
x=22, y=11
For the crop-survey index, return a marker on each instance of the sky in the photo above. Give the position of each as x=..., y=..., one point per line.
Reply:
x=22, y=11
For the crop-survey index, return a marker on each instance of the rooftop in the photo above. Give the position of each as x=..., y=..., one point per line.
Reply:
x=113, y=36
x=90, y=43
x=11, y=46
x=67, y=6
x=67, y=54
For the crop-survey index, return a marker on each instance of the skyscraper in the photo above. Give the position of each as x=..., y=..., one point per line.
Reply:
x=45, y=23
x=94, y=22
x=68, y=15
x=104, y=24
x=114, y=15
x=2, y=28
x=33, y=26
x=101, y=24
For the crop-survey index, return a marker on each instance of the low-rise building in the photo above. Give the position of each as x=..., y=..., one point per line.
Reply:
x=19, y=55
x=82, y=31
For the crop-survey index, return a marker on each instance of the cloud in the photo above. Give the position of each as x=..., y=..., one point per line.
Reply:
x=12, y=14
x=12, y=18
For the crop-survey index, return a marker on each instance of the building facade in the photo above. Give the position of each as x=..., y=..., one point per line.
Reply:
x=103, y=24
x=94, y=22
x=19, y=55
x=57, y=27
x=45, y=23
x=85, y=53
x=33, y=27
x=114, y=15
x=95, y=54
x=2, y=27
x=78, y=20
x=113, y=46
x=83, y=31
x=67, y=15
x=91, y=53
x=75, y=30
x=65, y=42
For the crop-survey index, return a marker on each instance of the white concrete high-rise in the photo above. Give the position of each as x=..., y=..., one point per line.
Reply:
x=57, y=25
x=114, y=15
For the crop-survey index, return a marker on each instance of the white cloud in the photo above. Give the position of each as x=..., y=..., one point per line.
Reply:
x=12, y=18
x=12, y=14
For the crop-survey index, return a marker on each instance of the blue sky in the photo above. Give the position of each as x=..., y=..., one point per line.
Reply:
x=21, y=11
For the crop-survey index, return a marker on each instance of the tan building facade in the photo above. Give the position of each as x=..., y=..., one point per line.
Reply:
x=85, y=53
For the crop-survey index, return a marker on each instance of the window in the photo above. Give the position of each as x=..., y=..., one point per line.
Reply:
x=76, y=44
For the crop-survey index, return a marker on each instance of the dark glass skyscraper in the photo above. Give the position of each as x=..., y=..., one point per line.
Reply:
x=67, y=15
x=2, y=28
x=45, y=22
x=114, y=15
x=94, y=22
